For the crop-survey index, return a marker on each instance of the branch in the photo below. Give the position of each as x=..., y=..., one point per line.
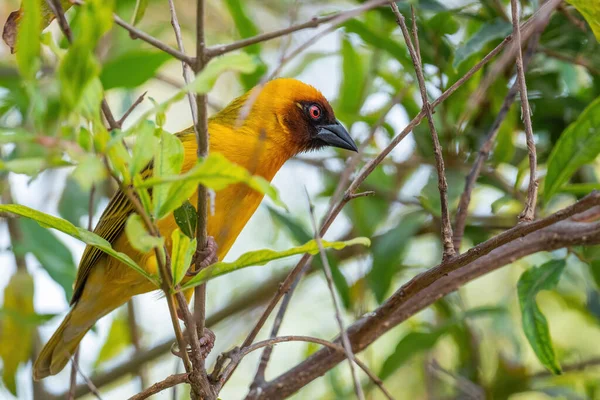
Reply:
x=437, y=148
x=528, y=213
x=486, y=148
x=338, y=315
x=423, y=290
x=158, y=387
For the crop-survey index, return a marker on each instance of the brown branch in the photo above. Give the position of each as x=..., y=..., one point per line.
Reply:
x=158, y=387
x=528, y=213
x=135, y=33
x=486, y=148
x=423, y=290
x=338, y=314
x=312, y=23
x=437, y=148
x=136, y=103
x=593, y=362
x=92, y=388
x=135, y=339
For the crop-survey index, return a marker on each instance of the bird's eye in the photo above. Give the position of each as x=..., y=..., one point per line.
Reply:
x=314, y=111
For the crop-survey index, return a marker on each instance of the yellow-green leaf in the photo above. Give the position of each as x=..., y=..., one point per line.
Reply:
x=182, y=250
x=28, y=39
x=139, y=237
x=591, y=12
x=261, y=257
x=205, y=80
x=16, y=338
x=119, y=337
x=168, y=161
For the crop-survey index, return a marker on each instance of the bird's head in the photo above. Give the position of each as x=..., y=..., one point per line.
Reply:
x=291, y=114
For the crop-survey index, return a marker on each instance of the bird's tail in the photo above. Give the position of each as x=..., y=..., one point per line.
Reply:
x=59, y=349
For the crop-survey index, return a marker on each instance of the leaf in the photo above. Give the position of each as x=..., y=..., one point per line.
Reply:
x=28, y=39
x=578, y=145
x=186, y=219
x=350, y=97
x=139, y=238
x=118, y=339
x=16, y=338
x=215, y=172
x=51, y=253
x=49, y=221
x=535, y=326
x=146, y=145
x=591, y=12
x=182, y=250
x=74, y=203
x=388, y=252
x=378, y=40
x=238, y=62
x=132, y=69
x=497, y=29
x=261, y=257
x=139, y=11
x=408, y=346
x=167, y=162
x=89, y=171
x=430, y=195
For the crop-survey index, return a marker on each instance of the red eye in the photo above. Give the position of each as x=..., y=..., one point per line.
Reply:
x=314, y=111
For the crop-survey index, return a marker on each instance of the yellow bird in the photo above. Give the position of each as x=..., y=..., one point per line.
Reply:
x=287, y=117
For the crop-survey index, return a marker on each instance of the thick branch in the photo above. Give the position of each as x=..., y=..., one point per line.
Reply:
x=547, y=234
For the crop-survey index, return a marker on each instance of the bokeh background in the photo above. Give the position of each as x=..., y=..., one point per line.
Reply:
x=468, y=343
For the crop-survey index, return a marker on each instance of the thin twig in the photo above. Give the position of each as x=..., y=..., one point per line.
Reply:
x=338, y=314
x=187, y=71
x=136, y=103
x=593, y=362
x=135, y=33
x=88, y=381
x=579, y=60
x=528, y=213
x=134, y=332
x=486, y=148
x=158, y=387
x=437, y=148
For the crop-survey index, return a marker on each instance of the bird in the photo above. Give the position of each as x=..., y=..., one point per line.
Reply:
x=286, y=117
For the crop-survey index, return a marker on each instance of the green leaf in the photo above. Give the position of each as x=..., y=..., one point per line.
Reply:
x=215, y=172
x=535, y=326
x=52, y=254
x=132, y=69
x=16, y=338
x=350, y=97
x=118, y=339
x=497, y=29
x=388, y=252
x=139, y=237
x=578, y=145
x=186, y=219
x=407, y=347
x=591, y=12
x=139, y=11
x=146, y=145
x=182, y=250
x=89, y=171
x=261, y=257
x=378, y=40
x=238, y=62
x=28, y=39
x=430, y=195
x=49, y=221
x=167, y=162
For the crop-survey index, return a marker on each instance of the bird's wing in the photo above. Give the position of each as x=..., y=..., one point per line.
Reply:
x=110, y=227
x=112, y=224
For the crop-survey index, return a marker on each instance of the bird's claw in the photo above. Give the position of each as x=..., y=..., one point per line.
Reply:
x=207, y=342
x=204, y=257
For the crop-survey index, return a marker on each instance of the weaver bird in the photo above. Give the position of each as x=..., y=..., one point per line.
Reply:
x=287, y=117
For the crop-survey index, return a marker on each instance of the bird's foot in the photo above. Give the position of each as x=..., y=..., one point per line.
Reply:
x=206, y=342
x=204, y=257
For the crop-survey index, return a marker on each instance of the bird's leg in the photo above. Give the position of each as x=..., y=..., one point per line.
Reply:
x=204, y=257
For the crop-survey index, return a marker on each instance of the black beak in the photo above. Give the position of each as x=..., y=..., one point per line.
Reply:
x=337, y=136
